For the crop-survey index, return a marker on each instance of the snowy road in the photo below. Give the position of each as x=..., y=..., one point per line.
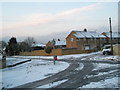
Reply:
x=91, y=71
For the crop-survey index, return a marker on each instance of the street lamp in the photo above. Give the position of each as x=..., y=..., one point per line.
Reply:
x=111, y=37
x=53, y=42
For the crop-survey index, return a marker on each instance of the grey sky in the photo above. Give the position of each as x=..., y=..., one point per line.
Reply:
x=48, y=20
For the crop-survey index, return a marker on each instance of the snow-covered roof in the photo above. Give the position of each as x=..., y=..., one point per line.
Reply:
x=114, y=34
x=38, y=45
x=88, y=34
x=60, y=42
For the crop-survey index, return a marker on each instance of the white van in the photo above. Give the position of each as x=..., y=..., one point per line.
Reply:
x=106, y=50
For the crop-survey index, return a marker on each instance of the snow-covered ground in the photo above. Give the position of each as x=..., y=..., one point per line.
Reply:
x=73, y=56
x=38, y=69
x=107, y=83
x=81, y=66
x=99, y=66
x=106, y=57
x=29, y=72
x=101, y=73
x=51, y=85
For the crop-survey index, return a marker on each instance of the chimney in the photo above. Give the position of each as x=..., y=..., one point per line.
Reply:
x=85, y=30
x=58, y=39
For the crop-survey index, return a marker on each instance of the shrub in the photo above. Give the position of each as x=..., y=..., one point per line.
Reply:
x=48, y=50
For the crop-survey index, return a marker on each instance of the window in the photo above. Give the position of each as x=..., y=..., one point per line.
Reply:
x=86, y=47
x=84, y=39
x=78, y=39
x=100, y=38
x=71, y=39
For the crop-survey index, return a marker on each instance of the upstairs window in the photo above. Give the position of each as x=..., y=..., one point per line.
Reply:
x=71, y=39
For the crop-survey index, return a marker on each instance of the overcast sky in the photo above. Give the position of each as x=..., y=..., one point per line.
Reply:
x=47, y=20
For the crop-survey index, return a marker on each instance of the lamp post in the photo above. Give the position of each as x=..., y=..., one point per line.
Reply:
x=53, y=42
x=111, y=37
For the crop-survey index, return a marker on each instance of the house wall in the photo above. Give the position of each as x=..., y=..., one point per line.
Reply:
x=115, y=40
x=69, y=42
x=92, y=43
x=80, y=44
x=103, y=41
x=49, y=44
x=116, y=49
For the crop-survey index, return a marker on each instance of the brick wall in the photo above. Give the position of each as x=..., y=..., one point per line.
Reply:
x=57, y=52
x=75, y=51
x=116, y=49
x=69, y=42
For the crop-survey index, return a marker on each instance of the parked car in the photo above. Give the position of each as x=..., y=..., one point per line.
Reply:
x=106, y=50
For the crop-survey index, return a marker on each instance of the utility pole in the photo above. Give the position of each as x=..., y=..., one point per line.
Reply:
x=53, y=42
x=111, y=37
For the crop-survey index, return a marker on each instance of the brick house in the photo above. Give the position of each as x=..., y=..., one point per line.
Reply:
x=58, y=44
x=115, y=37
x=85, y=40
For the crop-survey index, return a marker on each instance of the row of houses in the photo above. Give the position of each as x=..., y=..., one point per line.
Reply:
x=82, y=40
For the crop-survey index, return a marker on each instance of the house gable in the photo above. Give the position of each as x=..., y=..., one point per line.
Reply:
x=73, y=32
x=49, y=44
x=71, y=40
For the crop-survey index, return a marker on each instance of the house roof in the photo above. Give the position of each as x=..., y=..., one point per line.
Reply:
x=88, y=34
x=60, y=42
x=38, y=45
x=114, y=34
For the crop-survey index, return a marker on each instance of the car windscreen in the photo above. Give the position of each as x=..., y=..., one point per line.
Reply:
x=107, y=47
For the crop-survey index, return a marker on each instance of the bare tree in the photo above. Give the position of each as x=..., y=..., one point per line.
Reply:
x=29, y=41
x=3, y=44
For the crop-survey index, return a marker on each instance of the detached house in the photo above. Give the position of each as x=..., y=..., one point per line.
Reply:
x=85, y=40
x=58, y=44
x=115, y=37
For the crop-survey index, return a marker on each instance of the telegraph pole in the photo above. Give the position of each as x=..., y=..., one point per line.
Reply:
x=111, y=37
x=53, y=42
